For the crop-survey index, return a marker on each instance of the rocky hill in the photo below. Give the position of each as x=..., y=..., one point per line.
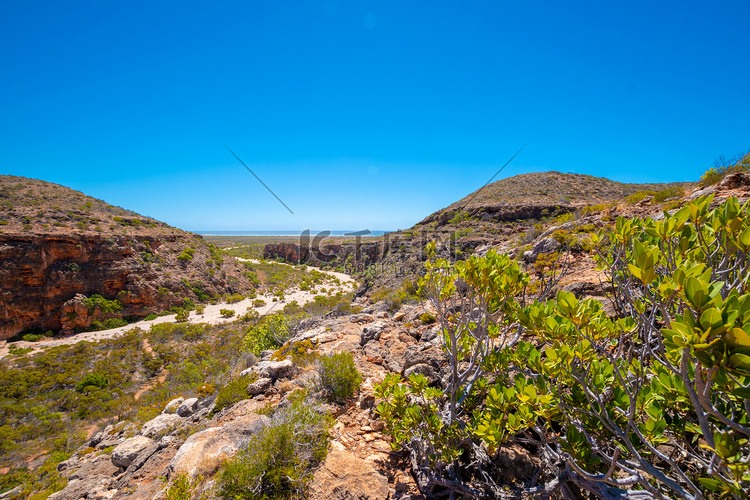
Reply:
x=59, y=247
x=509, y=213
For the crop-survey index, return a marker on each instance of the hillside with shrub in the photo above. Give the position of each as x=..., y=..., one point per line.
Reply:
x=61, y=249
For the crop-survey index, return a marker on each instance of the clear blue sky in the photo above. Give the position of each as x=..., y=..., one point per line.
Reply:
x=361, y=114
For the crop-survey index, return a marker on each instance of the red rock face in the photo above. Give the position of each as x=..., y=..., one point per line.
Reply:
x=40, y=273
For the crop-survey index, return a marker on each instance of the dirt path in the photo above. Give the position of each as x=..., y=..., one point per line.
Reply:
x=211, y=314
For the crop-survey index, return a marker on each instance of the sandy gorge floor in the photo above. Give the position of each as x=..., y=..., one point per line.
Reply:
x=211, y=313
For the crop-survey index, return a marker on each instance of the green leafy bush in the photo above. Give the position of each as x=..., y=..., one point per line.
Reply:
x=107, y=324
x=302, y=353
x=338, y=377
x=279, y=460
x=182, y=488
x=459, y=216
x=427, y=318
x=270, y=333
x=96, y=301
x=234, y=298
x=182, y=315
x=665, y=194
x=639, y=196
x=235, y=390
x=92, y=380
x=654, y=403
x=395, y=298
x=187, y=254
x=226, y=313
x=259, y=303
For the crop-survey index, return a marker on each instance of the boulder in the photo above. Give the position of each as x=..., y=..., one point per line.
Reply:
x=426, y=370
x=188, y=407
x=97, y=487
x=100, y=465
x=173, y=405
x=267, y=354
x=273, y=369
x=342, y=476
x=545, y=245
x=430, y=333
x=12, y=493
x=581, y=288
x=702, y=192
x=160, y=425
x=205, y=451
x=362, y=318
x=259, y=386
x=372, y=332
x=128, y=451
x=735, y=180
x=423, y=354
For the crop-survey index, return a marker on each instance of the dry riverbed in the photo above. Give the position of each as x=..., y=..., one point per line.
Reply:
x=211, y=314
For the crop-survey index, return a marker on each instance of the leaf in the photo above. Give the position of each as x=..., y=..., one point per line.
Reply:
x=742, y=392
x=711, y=319
x=737, y=338
x=745, y=238
x=711, y=483
x=635, y=270
x=740, y=360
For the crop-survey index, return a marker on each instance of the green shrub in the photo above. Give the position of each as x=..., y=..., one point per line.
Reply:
x=259, y=303
x=595, y=209
x=670, y=372
x=665, y=194
x=302, y=353
x=200, y=308
x=338, y=377
x=107, y=324
x=182, y=315
x=639, y=196
x=235, y=390
x=104, y=305
x=187, y=254
x=226, y=313
x=92, y=380
x=427, y=318
x=270, y=333
x=563, y=218
x=459, y=216
x=197, y=288
x=234, y=298
x=573, y=241
x=395, y=298
x=150, y=317
x=182, y=488
x=279, y=460
x=724, y=167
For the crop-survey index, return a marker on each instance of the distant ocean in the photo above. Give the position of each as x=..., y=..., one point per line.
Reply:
x=293, y=233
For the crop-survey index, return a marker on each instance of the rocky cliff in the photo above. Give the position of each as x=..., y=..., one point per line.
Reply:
x=58, y=247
